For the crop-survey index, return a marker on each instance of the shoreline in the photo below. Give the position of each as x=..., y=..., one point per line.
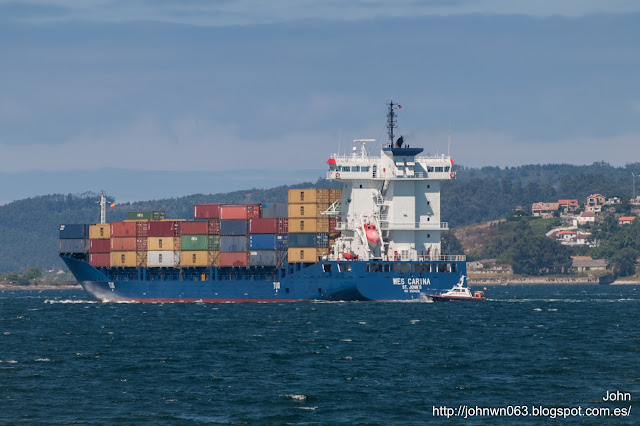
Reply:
x=41, y=287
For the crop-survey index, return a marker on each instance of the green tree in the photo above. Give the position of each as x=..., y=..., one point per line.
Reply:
x=32, y=273
x=451, y=244
x=624, y=261
x=539, y=255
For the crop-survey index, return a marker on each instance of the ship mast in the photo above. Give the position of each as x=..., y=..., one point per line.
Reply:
x=391, y=121
x=103, y=208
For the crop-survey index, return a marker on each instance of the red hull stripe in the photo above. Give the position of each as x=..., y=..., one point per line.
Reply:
x=205, y=300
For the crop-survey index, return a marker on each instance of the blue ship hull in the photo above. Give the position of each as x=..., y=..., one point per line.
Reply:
x=327, y=280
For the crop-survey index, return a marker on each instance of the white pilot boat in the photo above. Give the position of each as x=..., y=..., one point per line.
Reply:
x=458, y=292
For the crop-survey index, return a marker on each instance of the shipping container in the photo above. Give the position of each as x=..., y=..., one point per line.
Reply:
x=306, y=254
x=100, y=231
x=233, y=227
x=214, y=227
x=195, y=258
x=163, y=243
x=263, y=226
x=99, y=246
x=151, y=215
x=332, y=224
x=272, y=210
x=123, y=243
x=194, y=242
x=74, y=245
x=236, y=211
x=234, y=259
x=194, y=228
x=100, y=260
x=165, y=228
x=335, y=195
x=74, y=231
x=309, y=225
x=313, y=196
x=124, y=259
x=304, y=211
x=265, y=258
x=163, y=258
x=206, y=211
x=213, y=242
x=123, y=229
x=142, y=229
x=308, y=240
x=231, y=243
x=262, y=242
x=282, y=242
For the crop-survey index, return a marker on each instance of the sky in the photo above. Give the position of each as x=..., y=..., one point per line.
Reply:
x=154, y=98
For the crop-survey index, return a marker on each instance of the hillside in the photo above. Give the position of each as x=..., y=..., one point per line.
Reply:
x=29, y=227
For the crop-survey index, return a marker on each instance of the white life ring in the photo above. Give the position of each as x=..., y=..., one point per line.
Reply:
x=337, y=175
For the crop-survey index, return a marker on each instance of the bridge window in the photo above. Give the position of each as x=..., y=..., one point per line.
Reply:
x=364, y=168
x=344, y=267
x=355, y=169
x=439, y=169
x=346, y=168
x=446, y=169
x=401, y=267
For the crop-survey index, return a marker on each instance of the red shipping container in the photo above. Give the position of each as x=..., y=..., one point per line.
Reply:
x=254, y=211
x=332, y=224
x=214, y=227
x=206, y=211
x=263, y=226
x=234, y=258
x=123, y=229
x=99, y=246
x=142, y=229
x=123, y=244
x=164, y=228
x=100, y=260
x=194, y=228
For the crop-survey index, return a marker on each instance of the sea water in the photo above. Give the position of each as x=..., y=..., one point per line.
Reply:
x=66, y=359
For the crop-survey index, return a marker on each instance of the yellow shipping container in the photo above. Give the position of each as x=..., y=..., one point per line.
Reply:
x=162, y=243
x=312, y=196
x=101, y=231
x=306, y=254
x=309, y=225
x=199, y=258
x=124, y=259
x=304, y=211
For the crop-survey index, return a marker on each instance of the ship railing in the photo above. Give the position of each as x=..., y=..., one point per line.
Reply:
x=442, y=258
x=385, y=224
x=415, y=175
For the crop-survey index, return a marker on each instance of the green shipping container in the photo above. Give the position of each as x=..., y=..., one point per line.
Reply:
x=200, y=242
x=151, y=215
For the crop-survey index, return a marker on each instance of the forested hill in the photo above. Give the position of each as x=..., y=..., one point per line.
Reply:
x=29, y=227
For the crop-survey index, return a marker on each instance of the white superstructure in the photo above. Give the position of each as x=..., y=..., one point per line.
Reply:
x=397, y=191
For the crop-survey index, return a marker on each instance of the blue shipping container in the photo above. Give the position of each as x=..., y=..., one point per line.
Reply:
x=74, y=245
x=234, y=243
x=262, y=242
x=281, y=242
x=74, y=231
x=233, y=227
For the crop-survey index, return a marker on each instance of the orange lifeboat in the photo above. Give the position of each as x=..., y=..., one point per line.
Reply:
x=371, y=233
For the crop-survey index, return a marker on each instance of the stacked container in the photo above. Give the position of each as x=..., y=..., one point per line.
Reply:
x=200, y=244
x=234, y=233
x=128, y=246
x=74, y=238
x=308, y=227
x=151, y=215
x=100, y=245
x=268, y=240
x=163, y=244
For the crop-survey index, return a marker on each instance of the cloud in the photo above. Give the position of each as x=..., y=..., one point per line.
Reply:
x=252, y=12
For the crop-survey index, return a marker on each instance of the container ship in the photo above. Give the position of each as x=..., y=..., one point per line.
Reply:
x=376, y=239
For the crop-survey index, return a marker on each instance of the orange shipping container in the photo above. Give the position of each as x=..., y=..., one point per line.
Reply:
x=162, y=243
x=234, y=259
x=313, y=196
x=101, y=231
x=312, y=225
x=124, y=259
x=302, y=211
x=306, y=254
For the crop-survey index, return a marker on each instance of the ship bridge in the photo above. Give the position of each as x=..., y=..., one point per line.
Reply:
x=396, y=192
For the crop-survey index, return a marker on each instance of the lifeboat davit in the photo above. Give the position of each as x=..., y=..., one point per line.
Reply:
x=371, y=233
